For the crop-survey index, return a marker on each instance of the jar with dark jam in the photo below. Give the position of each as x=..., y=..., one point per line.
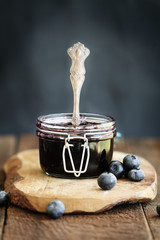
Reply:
x=67, y=151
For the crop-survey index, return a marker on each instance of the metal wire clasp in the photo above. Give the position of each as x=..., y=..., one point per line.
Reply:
x=85, y=146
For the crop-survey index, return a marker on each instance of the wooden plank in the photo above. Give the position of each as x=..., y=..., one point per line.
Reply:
x=150, y=149
x=27, y=141
x=122, y=222
x=7, y=148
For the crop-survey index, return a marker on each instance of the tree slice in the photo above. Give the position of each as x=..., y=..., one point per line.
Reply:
x=30, y=188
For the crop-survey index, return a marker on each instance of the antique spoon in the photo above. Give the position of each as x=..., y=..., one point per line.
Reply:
x=78, y=53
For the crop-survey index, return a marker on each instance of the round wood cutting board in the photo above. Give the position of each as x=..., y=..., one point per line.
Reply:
x=28, y=187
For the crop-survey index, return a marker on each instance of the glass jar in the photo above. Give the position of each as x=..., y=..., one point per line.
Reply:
x=75, y=152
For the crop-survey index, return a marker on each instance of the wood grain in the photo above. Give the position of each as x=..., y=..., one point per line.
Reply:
x=7, y=148
x=149, y=148
x=30, y=188
x=27, y=141
x=118, y=223
x=122, y=222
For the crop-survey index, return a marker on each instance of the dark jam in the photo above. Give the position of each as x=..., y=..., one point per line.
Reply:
x=51, y=160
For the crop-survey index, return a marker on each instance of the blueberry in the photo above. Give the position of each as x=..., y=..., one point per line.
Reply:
x=55, y=209
x=118, y=135
x=131, y=162
x=116, y=167
x=107, y=181
x=136, y=175
x=3, y=198
x=126, y=171
x=158, y=208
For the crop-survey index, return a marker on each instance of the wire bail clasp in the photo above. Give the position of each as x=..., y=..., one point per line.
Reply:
x=67, y=146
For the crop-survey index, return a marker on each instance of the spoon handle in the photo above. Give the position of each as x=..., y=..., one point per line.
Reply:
x=78, y=53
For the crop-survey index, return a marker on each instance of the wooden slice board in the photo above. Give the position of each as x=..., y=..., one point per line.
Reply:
x=30, y=188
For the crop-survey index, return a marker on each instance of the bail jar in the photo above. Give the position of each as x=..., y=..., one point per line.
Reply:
x=67, y=151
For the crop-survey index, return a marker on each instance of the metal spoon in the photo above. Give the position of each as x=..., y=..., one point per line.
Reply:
x=78, y=53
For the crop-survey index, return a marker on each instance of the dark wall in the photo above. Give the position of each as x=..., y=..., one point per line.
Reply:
x=123, y=69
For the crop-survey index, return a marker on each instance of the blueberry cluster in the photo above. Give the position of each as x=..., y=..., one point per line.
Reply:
x=129, y=168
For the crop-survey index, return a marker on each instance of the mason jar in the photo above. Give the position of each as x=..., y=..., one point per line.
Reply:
x=66, y=151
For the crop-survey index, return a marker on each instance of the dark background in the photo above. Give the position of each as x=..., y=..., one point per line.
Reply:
x=123, y=69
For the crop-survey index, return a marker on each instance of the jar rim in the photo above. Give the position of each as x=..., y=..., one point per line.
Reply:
x=63, y=122
x=95, y=126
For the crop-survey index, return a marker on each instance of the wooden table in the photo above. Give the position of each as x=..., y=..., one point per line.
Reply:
x=136, y=221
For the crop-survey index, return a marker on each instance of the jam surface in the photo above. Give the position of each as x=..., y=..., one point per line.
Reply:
x=51, y=160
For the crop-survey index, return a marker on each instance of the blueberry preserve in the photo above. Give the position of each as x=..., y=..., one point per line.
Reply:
x=75, y=152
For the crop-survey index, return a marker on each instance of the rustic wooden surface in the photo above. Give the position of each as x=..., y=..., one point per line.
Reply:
x=28, y=186
x=136, y=221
